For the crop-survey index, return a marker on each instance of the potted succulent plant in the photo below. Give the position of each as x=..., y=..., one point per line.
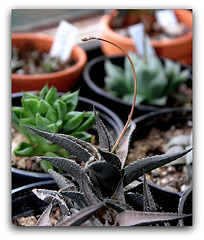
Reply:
x=178, y=48
x=48, y=111
x=63, y=80
x=161, y=83
x=106, y=193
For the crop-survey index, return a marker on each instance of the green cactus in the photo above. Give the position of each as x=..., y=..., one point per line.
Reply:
x=49, y=112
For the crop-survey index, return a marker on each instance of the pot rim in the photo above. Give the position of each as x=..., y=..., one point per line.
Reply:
x=77, y=53
x=105, y=23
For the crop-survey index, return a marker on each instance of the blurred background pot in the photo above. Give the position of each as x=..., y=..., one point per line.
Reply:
x=94, y=87
x=63, y=80
x=179, y=48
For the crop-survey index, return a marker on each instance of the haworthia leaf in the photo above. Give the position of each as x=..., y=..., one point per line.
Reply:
x=71, y=100
x=118, y=205
x=73, y=121
x=148, y=201
x=86, y=145
x=52, y=196
x=61, y=108
x=123, y=146
x=77, y=197
x=105, y=139
x=74, y=170
x=119, y=192
x=51, y=95
x=44, y=219
x=81, y=216
x=111, y=158
x=62, y=182
x=136, y=169
x=133, y=218
x=88, y=123
x=66, y=143
x=107, y=176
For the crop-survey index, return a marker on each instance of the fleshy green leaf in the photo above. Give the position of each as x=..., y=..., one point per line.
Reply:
x=71, y=100
x=51, y=96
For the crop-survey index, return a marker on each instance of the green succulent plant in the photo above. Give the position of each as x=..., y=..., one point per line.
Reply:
x=155, y=81
x=98, y=194
x=53, y=113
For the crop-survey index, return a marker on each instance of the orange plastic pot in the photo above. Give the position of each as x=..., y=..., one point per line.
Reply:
x=178, y=49
x=62, y=80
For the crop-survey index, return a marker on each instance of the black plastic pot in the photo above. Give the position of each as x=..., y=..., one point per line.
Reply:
x=24, y=201
x=161, y=119
x=110, y=119
x=94, y=74
x=186, y=207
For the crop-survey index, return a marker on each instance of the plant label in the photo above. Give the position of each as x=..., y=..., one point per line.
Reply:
x=166, y=17
x=141, y=41
x=64, y=41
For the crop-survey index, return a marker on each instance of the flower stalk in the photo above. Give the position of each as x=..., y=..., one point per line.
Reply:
x=135, y=86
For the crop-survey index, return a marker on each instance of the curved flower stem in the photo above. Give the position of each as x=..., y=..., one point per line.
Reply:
x=135, y=87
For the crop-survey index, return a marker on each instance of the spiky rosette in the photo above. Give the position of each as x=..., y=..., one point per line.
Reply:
x=96, y=196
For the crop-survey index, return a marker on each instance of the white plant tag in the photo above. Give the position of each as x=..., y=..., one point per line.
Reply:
x=64, y=41
x=137, y=33
x=166, y=17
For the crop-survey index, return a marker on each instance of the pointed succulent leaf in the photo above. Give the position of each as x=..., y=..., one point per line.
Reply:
x=119, y=192
x=83, y=215
x=90, y=119
x=73, y=120
x=118, y=205
x=52, y=196
x=51, y=95
x=62, y=182
x=105, y=139
x=74, y=170
x=71, y=100
x=148, y=201
x=66, y=143
x=133, y=218
x=135, y=199
x=136, y=169
x=61, y=108
x=107, y=176
x=86, y=145
x=111, y=158
x=123, y=146
x=44, y=219
x=76, y=197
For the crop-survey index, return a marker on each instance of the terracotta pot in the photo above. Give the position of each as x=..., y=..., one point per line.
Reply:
x=62, y=80
x=179, y=48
